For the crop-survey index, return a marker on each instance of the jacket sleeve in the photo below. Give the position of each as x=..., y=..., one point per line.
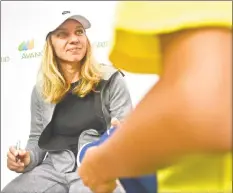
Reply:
x=37, y=155
x=120, y=100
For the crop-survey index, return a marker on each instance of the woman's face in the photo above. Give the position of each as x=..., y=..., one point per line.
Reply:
x=70, y=42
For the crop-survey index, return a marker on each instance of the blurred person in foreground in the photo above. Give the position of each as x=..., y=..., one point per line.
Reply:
x=182, y=129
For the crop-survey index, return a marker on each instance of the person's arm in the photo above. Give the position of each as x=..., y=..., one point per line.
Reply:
x=187, y=111
x=36, y=154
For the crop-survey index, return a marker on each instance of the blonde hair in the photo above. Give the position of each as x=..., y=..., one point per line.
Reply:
x=53, y=84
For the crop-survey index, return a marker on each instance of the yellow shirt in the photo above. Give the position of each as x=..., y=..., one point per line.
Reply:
x=135, y=48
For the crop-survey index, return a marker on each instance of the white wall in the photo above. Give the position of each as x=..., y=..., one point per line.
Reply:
x=24, y=21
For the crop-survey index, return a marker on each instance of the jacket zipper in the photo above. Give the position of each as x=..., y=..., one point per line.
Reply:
x=101, y=96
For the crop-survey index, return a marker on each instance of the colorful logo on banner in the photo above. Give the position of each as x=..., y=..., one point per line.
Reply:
x=26, y=48
x=5, y=59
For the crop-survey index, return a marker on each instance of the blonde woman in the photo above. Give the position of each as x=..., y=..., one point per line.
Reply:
x=73, y=103
x=182, y=129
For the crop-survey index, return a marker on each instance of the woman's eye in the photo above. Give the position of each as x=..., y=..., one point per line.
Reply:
x=62, y=34
x=80, y=32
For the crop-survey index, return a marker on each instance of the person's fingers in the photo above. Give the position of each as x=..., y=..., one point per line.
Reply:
x=13, y=151
x=20, y=163
x=13, y=168
x=12, y=162
x=115, y=122
x=83, y=175
x=104, y=188
x=13, y=165
x=22, y=153
x=19, y=169
x=11, y=156
x=85, y=181
x=24, y=156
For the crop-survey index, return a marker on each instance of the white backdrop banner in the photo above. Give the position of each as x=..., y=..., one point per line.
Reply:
x=22, y=41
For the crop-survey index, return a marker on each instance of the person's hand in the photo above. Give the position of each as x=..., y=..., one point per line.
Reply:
x=115, y=122
x=90, y=169
x=91, y=175
x=17, y=160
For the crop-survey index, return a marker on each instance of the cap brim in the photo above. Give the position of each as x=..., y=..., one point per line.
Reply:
x=84, y=22
x=81, y=19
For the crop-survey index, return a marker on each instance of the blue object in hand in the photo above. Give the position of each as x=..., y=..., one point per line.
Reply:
x=142, y=184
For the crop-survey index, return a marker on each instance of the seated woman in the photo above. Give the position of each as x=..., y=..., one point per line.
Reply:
x=72, y=97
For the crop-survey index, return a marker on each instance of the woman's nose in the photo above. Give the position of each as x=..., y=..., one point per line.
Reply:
x=74, y=38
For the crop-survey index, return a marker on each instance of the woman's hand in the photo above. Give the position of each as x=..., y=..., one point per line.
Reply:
x=17, y=160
